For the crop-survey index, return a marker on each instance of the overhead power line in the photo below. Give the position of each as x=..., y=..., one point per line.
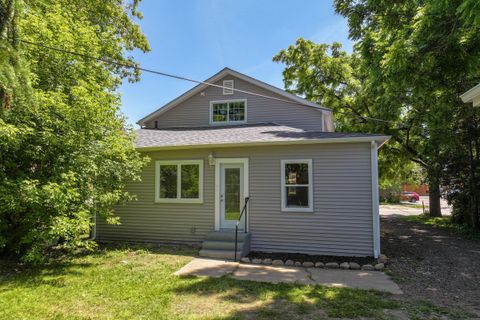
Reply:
x=165, y=74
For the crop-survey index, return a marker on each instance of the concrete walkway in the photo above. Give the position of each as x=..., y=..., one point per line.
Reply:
x=276, y=274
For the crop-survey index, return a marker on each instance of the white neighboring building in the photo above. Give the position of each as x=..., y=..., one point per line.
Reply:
x=472, y=96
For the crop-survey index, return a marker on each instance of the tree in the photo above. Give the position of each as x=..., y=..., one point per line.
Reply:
x=66, y=150
x=462, y=159
x=410, y=62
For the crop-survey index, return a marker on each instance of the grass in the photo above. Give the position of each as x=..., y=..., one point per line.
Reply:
x=444, y=223
x=137, y=283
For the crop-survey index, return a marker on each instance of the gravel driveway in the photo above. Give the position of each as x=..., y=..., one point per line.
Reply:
x=409, y=209
x=433, y=264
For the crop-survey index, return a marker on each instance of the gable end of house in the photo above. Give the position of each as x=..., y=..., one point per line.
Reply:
x=242, y=99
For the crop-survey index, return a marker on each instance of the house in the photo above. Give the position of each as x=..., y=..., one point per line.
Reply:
x=243, y=144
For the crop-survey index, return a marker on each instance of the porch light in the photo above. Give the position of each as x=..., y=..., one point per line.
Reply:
x=211, y=159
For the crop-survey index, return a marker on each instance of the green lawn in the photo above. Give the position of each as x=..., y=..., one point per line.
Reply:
x=136, y=283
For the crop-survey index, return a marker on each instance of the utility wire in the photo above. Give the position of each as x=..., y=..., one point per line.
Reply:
x=136, y=67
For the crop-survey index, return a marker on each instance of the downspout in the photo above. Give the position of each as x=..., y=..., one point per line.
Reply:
x=375, y=199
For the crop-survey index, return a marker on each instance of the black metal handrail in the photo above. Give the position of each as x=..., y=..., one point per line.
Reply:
x=244, y=210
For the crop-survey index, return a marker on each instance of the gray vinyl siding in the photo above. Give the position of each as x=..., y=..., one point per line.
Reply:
x=146, y=220
x=341, y=223
x=195, y=112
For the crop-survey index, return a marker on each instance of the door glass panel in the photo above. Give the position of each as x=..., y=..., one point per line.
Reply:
x=232, y=193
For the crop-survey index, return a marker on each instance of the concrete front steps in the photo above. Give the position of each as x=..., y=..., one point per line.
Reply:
x=221, y=245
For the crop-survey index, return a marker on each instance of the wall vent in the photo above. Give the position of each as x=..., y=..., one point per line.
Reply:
x=227, y=87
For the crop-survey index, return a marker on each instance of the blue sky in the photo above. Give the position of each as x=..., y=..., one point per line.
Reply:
x=197, y=38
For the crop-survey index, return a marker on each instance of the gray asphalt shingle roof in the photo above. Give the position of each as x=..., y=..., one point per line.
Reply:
x=238, y=134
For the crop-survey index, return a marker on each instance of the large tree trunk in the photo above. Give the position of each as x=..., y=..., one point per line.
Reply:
x=435, y=209
x=475, y=213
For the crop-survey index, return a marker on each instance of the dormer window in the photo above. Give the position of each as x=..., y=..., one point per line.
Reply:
x=227, y=87
x=228, y=111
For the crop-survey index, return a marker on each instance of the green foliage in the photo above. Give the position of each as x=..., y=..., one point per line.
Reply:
x=66, y=151
x=462, y=158
x=393, y=173
x=410, y=63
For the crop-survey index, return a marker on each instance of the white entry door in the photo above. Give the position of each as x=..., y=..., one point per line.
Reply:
x=231, y=195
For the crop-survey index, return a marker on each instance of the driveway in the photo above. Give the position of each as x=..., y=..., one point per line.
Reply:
x=408, y=209
x=433, y=264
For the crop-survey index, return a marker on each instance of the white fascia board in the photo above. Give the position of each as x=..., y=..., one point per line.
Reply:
x=471, y=94
x=476, y=101
x=378, y=139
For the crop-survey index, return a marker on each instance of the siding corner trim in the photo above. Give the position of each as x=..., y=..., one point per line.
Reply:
x=375, y=204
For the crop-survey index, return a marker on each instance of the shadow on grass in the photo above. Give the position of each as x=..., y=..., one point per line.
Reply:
x=265, y=300
x=446, y=224
x=14, y=273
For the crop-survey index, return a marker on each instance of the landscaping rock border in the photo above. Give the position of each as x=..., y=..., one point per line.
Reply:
x=368, y=265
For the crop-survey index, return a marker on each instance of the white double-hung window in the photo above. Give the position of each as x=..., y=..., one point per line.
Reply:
x=297, y=190
x=179, y=181
x=228, y=111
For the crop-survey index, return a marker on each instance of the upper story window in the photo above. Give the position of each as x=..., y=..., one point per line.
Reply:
x=227, y=87
x=228, y=111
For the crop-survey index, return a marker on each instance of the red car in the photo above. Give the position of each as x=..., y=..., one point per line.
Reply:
x=409, y=196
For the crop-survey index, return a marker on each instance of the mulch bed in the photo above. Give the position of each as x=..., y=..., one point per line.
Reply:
x=306, y=257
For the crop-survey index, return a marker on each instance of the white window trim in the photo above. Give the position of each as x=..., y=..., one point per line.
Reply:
x=226, y=90
x=284, y=185
x=179, y=179
x=228, y=115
